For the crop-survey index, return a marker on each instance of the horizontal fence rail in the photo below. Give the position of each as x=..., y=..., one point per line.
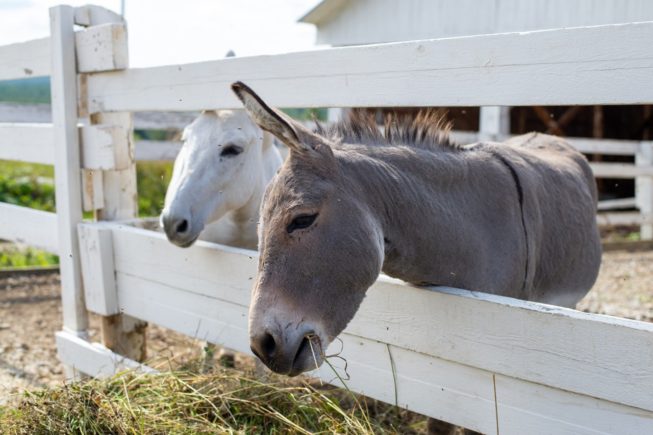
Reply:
x=477, y=357
x=24, y=142
x=32, y=227
x=590, y=65
x=95, y=52
x=34, y=143
x=25, y=59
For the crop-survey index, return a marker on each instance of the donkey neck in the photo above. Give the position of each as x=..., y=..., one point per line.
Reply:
x=433, y=208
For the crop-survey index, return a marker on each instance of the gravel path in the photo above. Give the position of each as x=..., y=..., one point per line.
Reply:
x=30, y=312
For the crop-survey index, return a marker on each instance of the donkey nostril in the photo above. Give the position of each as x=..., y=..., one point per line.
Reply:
x=182, y=227
x=305, y=343
x=268, y=345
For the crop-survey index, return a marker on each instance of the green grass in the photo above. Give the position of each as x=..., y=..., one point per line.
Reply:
x=19, y=256
x=185, y=402
x=152, y=179
x=29, y=185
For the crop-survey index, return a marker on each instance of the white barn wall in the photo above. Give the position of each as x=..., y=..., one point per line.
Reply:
x=376, y=21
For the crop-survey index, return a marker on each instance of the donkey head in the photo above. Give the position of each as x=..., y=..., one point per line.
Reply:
x=320, y=248
x=215, y=172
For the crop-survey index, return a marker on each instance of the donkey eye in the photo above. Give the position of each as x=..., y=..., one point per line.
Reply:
x=231, y=150
x=301, y=222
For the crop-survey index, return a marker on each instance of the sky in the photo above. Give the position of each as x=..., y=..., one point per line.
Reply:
x=163, y=32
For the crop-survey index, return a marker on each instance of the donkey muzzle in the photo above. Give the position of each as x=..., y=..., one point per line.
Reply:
x=288, y=351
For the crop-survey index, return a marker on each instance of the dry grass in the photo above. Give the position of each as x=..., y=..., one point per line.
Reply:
x=185, y=402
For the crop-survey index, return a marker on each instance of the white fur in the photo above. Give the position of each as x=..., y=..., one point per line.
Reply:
x=220, y=195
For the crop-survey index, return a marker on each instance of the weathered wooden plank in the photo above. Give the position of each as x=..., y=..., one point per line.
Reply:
x=93, y=358
x=556, y=67
x=584, y=353
x=25, y=59
x=32, y=143
x=98, y=144
x=580, y=352
x=25, y=225
x=102, y=48
x=96, y=244
x=232, y=269
x=527, y=408
x=92, y=190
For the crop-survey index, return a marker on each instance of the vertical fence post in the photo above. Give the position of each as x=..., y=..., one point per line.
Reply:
x=644, y=189
x=121, y=333
x=67, y=173
x=494, y=123
x=112, y=193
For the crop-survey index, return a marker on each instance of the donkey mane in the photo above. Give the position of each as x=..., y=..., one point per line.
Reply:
x=428, y=130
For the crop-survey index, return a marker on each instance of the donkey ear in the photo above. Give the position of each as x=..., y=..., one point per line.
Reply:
x=268, y=118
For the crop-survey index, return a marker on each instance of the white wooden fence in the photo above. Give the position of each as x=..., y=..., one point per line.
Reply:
x=493, y=364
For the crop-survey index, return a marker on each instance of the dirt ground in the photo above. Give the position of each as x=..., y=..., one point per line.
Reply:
x=30, y=312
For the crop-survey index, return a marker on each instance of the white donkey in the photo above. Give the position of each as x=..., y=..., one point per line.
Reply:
x=218, y=181
x=217, y=185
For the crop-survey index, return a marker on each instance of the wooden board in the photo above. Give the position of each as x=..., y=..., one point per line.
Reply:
x=32, y=227
x=611, y=204
x=93, y=358
x=102, y=48
x=27, y=143
x=67, y=162
x=557, y=67
x=98, y=271
x=25, y=59
x=583, y=353
x=621, y=170
x=528, y=408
